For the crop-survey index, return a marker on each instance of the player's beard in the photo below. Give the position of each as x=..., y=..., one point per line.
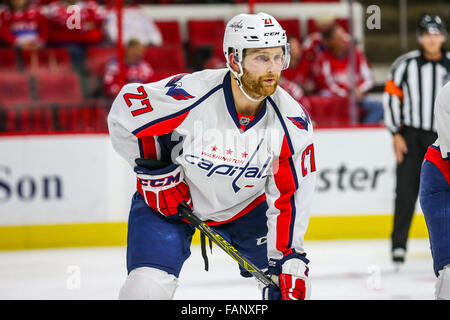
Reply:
x=256, y=87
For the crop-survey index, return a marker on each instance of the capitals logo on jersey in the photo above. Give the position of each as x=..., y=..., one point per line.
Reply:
x=301, y=123
x=175, y=91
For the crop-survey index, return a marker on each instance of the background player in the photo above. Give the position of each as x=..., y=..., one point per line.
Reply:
x=242, y=156
x=435, y=194
x=410, y=92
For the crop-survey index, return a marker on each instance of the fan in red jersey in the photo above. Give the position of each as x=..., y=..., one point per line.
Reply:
x=66, y=28
x=136, y=69
x=334, y=72
x=22, y=25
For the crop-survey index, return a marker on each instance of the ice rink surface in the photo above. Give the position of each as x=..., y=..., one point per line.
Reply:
x=339, y=270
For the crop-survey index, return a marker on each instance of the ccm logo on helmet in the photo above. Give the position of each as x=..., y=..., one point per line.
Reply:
x=271, y=34
x=161, y=182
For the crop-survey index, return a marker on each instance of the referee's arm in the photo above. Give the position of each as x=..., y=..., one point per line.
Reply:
x=393, y=98
x=392, y=102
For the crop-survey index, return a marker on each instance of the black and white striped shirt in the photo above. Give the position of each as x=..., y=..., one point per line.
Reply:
x=411, y=89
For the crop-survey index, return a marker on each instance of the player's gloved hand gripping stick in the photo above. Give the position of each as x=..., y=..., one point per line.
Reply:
x=185, y=212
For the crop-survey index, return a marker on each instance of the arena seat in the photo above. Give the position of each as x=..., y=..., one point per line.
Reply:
x=329, y=111
x=34, y=118
x=205, y=32
x=204, y=36
x=170, y=31
x=14, y=89
x=87, y=116
x=292, y=27
x=158, y=59
x=8, y=60
x=98, y=57
x=44, y=60
x=58, y=87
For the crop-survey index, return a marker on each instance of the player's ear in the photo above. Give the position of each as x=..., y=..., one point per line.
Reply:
x=233, y=62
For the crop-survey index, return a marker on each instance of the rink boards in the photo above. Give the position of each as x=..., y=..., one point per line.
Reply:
x=74, y=190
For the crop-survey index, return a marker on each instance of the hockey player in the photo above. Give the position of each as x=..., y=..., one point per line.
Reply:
x=434, y=194
x=241, y=154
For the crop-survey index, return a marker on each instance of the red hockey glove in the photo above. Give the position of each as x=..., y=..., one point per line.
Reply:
x=163, y=189
x=293, y=279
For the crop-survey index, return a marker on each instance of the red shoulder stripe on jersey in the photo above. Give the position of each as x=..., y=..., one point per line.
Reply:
x=286, y=182
x=434, y=156
x=163, y=126
x=169, y=123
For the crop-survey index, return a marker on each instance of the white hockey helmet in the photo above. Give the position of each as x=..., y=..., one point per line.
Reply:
x=246, y=31
x=259, y=30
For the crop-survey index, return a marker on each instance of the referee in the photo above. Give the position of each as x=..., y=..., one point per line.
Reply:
x=408, y=101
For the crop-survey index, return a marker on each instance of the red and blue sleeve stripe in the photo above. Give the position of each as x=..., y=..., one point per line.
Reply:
x=287, y=184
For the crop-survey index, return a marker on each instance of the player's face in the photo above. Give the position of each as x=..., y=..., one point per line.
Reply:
x=265, y=60
x=262, y=69
x=431, y=43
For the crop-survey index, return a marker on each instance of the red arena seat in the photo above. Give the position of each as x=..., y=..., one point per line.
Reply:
x=58, y=87
x=170, y=31
x=205, y=32
x=8, y=60
x=329, y=111
x=98, y=57
x=14, y=89
x=158, y=59
x=292, y=27
x=43, y=60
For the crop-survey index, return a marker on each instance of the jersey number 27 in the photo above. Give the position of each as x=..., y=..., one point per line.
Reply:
x=144, y=101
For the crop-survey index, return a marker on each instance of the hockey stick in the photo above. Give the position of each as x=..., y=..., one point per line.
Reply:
x=185, y=212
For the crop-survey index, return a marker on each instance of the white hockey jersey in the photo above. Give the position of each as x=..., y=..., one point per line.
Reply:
x=442, y=116
x=191, y=119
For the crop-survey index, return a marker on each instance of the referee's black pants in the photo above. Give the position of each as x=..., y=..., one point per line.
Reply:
x=408, y=181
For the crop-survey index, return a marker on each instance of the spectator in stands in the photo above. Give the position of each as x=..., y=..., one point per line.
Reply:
x=136, y=69
x=312, y=46
x=66, y=28
x=22, y=25
x=75, y=29
x=334, y=72
x=298, y=71
x=135, y=25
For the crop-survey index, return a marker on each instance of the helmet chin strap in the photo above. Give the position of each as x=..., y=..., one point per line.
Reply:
x=238, y=77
